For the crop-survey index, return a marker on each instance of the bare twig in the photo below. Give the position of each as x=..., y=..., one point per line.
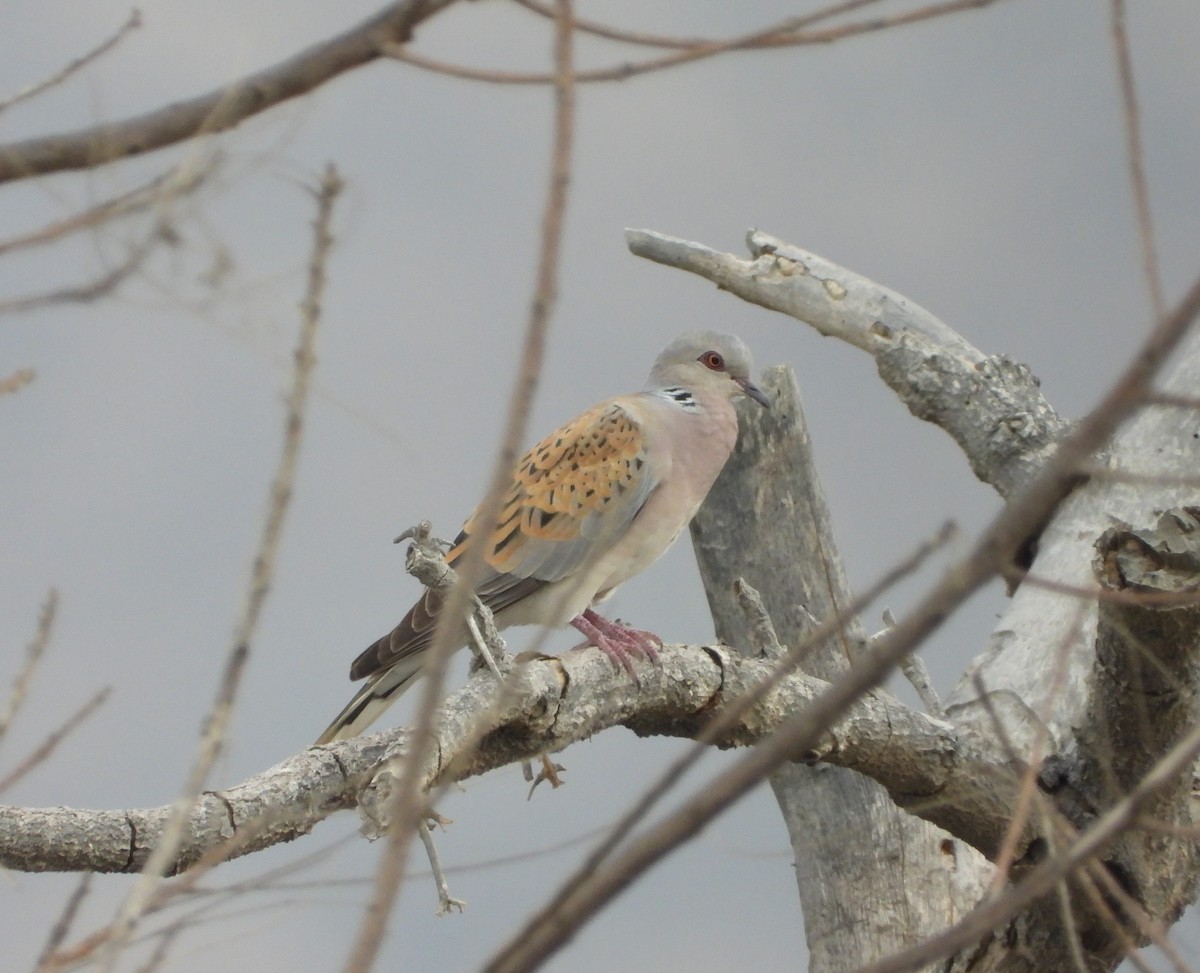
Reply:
x=481, y=643
x=50, y=744
x=446, y=902
x=1149, y=477
x=1071, y=933
x=1152, y=929
x=1137, y=162
x=685, y=43
x=174, y=183
x=915, y=671
x=33, y=656
x=170, y=893
x=165, y=941
x=91, y=290
x=30, y=91
x=64, y=922
x=426, y=563
x=1171, y=400
x=766, y=640
x=780, y=35
x=407, y=802
x=213, y=737
x=1145, y=599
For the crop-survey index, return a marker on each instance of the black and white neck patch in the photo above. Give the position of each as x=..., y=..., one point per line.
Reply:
x=681, y=397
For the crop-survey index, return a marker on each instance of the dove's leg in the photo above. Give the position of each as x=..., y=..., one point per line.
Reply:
x=619, y=642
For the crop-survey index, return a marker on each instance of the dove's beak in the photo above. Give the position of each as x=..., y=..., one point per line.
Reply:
x=752, y=390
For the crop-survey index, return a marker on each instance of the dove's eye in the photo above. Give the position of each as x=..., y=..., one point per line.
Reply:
x=710, y=359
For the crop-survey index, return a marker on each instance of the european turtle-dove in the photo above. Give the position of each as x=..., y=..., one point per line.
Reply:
x=590, y=506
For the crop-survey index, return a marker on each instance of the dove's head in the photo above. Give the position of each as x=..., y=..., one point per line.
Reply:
x=707, y=360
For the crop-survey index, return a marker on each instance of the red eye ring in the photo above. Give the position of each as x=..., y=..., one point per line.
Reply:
x=713, y=360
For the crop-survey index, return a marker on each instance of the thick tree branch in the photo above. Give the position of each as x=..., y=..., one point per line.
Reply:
x=991, y=406
x=1045, y=619
x=222, y=109
x=553, y=703
x=838, y=302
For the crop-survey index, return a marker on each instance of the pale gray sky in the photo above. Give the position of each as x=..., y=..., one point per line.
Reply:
x=975, y=164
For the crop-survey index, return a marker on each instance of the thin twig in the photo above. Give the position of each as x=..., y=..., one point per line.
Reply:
x=1137, y=162
x=643, y=39
x=480, y=643
x=1138, y=477
x=780, y=35
x=1151, y=928
x=213, y=736
x=172, y=893
x=446, y=902
x=165, y=941
x=1062, y=896
x=917, y=674
x=1171, y=400
x=33, y=656
x=407, y=805
x=1154, y=825
x=43, y=751
x=1115, y=596
x=175, y=183
x=91, y=290
x=762, y=629
x=63, y=924
x=30, y=91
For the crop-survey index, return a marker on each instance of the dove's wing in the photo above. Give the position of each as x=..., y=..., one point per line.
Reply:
x=572, y=496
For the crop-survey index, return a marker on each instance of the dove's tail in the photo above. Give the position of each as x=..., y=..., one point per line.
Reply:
x=380, y=691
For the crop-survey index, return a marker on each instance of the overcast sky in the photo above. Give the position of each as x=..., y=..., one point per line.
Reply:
x=975, y=164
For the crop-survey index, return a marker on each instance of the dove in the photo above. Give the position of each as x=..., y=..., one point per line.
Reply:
x=593, y=504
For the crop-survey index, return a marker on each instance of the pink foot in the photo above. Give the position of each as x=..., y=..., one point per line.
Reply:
x=618, y=642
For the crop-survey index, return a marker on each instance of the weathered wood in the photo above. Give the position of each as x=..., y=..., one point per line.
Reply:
x=872, y=878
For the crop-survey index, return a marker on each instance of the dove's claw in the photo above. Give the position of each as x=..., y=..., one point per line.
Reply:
x=617, y=641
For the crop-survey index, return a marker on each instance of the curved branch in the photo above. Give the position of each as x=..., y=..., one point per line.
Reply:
x=991, y=407
x=644, y=39
x=223, y=108
x=132, y=22
x=177, y=182
x=786, y=34
x=551, y=704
